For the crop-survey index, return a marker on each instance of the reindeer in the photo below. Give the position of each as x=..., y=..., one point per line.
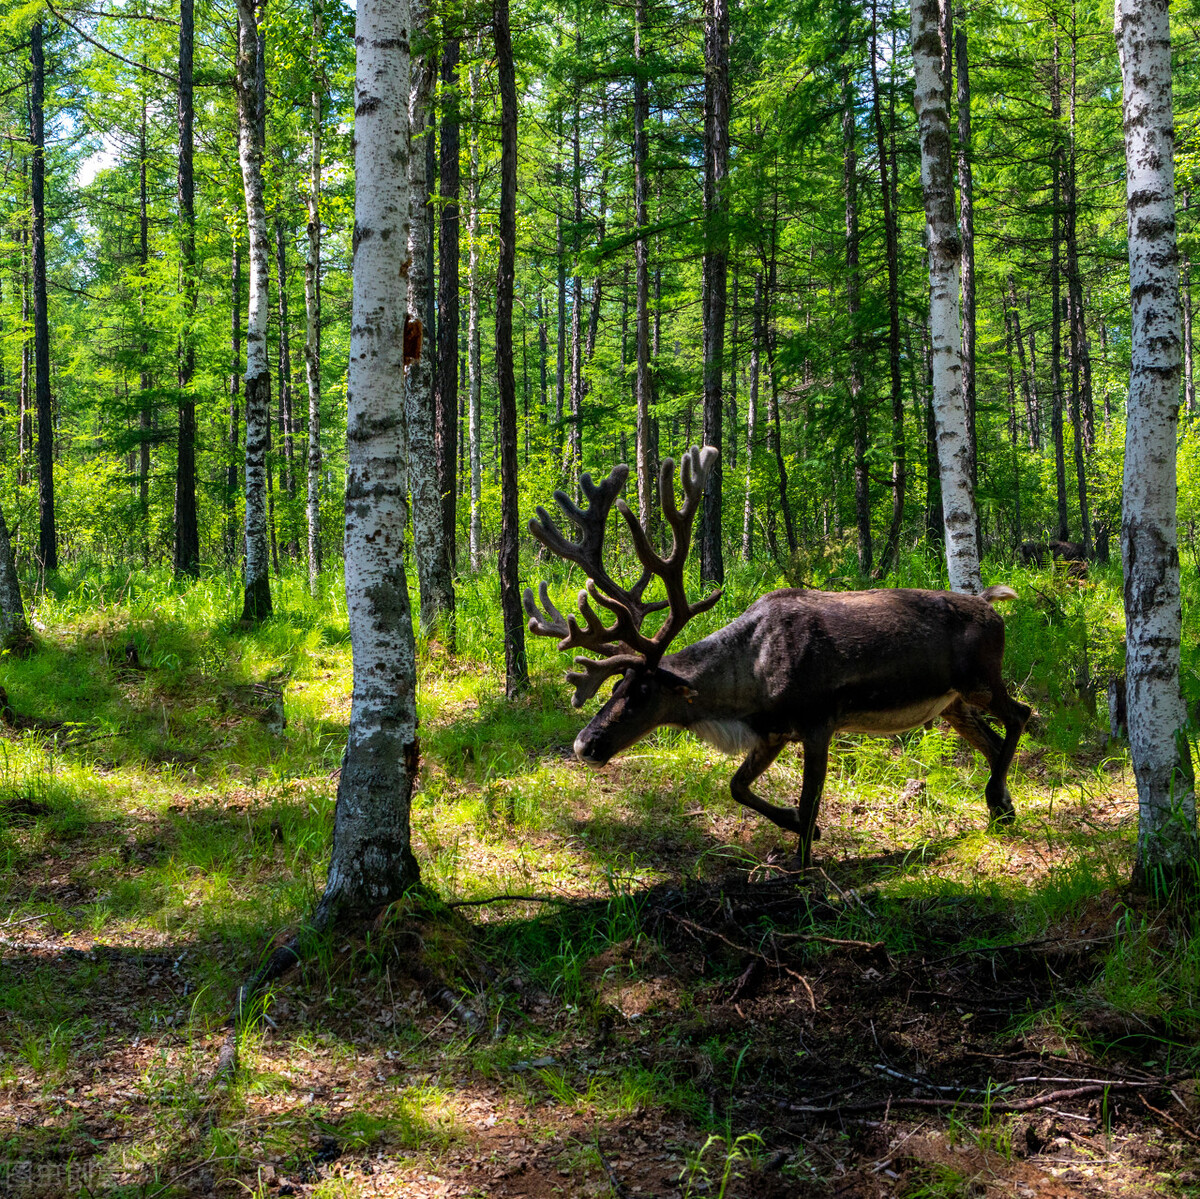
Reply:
x=796, y=666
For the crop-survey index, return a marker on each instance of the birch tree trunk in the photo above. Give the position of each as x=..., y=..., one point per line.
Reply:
x=12, y=611
x=235, y=388
x=372, y=862
x=474, y=381
x=966, y=220
x=257, y=604
x=1167, y=845
x=937, y=186
x=421, y=453
x=516, y=669
x=312, y=303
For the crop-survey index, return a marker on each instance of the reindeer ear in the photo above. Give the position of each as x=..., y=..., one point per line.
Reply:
x=687, y=692
x=672, y=682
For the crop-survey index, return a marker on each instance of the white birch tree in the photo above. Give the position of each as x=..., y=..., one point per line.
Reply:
x=1157, y=740
x=945, y=247
x=372, y=861
x=258, y=368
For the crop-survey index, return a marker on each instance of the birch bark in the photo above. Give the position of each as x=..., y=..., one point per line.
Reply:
x=1158, y=744
x=257, y=602
x=372, y=861
x=937, y=186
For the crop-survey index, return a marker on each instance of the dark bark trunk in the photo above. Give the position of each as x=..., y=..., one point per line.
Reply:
x=862, y=488
x=715, y=265
x=887, y=183
x=446, y=429
x=47, y=534
x=187, y=528
x=235, y=387
x=515, y=663
x=1056, y=387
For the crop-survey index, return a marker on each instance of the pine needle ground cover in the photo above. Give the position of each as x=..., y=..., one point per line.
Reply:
x=611, y=984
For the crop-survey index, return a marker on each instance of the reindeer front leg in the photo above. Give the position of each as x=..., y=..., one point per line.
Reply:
x=816, y=762
x=760, y=757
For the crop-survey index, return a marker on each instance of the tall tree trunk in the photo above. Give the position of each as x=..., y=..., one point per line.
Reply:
x=422, y=449
x=47, y=534
x=447, y=337
x=733, y=373
x=474, y=379
x=887, y=185
x=235, y=387
x=312, y=300
x=516, y=669
x=575, y=433
x=862, y=483
x=187, y=527
x=642, y=386
x=1189, y=377
x=287, y=473
x=715, y=265
x=1056, y=387
x=937, y=186
x=1013, y=430
x=560, y=375
x=25, y=430
x=372, y=862
x=1081, y=366
x=1158, y=741
x=145, y=416
x=257, y=604
x=966, y=221
x=752, y=419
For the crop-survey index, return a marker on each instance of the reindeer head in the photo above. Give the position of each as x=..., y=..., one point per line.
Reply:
x=648, y=693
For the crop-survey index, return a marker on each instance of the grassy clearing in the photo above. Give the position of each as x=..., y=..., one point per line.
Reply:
x=166, y=799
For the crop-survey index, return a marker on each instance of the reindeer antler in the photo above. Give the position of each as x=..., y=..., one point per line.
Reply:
x=622, y=644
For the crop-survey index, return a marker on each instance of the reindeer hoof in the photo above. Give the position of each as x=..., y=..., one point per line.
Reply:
x=1002, y=817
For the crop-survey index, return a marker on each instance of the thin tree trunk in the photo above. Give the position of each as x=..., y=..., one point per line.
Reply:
x=447, y=337
x=733, y=373
x=560, y=375
x=235, y=386
x=715, y=267
x=966, y=221
x=1013, y=432
x=474, y=379
x=752, y=419
x=422, y=454
x=641, y=216
x=284, y=348
x=145, y=416
x=187, y=527
x=1189, y=377
x=937, y=186
x=312, y=301
x=862, y=485
x=257, y=603
x=1167, y=844
x=516, y=670
x=891, y=551
x=25, y=433
x=575, y=434
x=47, y=533
x=372, y=862
x=1056, y=387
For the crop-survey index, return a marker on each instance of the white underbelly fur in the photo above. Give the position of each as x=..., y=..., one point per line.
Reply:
x=896, y=720
x=729, y=736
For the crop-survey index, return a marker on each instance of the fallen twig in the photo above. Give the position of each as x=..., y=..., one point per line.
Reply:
x=1018, y=1105
x=563, y=901
x=1187, y=1132
x=620, y=1190
x=985, y=950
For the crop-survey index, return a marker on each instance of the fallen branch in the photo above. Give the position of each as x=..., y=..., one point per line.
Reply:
x=620, y=1190
x=1019, y=1105
x=1187, y=1132
x=562, y=901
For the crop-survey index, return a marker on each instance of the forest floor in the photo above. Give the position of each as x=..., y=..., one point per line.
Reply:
x=933, y=1010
